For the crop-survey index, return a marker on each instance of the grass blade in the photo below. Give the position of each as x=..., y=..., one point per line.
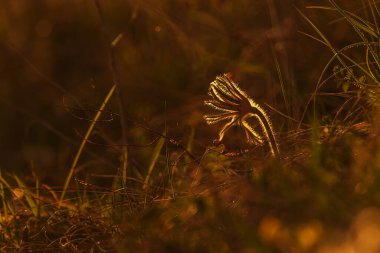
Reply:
x=84, y=141
x=356, y=28
x=156, y=154
x=3, y=200
x=28, y=196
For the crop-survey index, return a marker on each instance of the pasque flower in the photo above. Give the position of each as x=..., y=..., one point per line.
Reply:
x=234, y=107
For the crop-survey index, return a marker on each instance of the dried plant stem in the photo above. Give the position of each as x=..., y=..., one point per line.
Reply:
x=115, y=79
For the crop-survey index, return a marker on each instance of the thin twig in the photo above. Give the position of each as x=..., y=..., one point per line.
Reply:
x=115, y=80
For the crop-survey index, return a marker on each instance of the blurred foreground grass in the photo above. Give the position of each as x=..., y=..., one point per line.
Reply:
x=148, y=178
